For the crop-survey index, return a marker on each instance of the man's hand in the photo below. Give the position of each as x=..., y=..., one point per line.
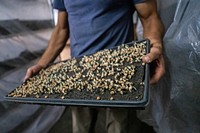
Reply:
x=32, y=71
x=156, y=60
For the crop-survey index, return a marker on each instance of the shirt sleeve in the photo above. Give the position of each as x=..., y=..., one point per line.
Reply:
x=59, y=4
x=138, y=1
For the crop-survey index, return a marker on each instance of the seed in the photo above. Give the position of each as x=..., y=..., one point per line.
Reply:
x=111, y=98
x=112, y=92
x=98, y=98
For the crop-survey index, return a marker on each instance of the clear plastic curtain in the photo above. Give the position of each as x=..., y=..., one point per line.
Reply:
x=25, y=27
x=175, y=100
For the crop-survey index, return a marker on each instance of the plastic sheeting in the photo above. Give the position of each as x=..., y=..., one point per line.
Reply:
x=24, y=34
x=175, y=106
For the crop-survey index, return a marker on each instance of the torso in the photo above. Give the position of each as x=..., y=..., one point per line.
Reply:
x=98, y=24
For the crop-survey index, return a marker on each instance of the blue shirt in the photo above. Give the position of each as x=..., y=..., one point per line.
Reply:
x=98, y=24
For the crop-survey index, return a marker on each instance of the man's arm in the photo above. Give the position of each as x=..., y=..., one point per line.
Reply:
x=153, y=30
x=56, y=43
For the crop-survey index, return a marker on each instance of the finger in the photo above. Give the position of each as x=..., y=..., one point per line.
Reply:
x=146, y=59
x=159, y=71
x=156, y=77
x=28, y=74
x=154, y=54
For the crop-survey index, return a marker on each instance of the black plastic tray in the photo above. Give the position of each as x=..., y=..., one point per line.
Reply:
x=96, y=103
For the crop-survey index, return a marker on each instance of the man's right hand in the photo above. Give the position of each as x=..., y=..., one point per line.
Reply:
x=32, y=71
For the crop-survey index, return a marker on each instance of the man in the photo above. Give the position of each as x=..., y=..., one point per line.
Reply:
x=93, y=25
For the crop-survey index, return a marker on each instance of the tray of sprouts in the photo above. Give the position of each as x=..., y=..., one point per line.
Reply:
x=114, y=77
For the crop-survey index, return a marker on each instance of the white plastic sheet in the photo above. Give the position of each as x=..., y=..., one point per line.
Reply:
x=175, y=106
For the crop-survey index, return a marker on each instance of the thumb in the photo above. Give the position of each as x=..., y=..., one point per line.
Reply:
x=28, y=75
